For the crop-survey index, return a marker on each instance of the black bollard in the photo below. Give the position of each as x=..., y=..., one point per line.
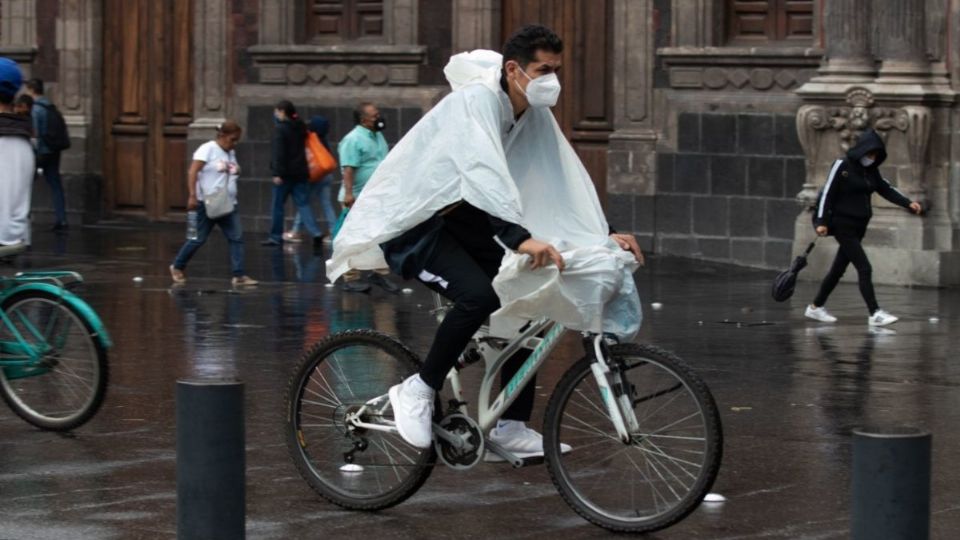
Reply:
x=891, y=484
x=210, y=460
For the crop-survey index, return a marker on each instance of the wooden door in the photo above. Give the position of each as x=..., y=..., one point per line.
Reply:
x=147, y=105
x=585, y=109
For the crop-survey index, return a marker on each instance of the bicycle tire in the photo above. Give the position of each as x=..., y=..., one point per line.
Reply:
x=418, y=470
x=656, y=461
x=98, y=359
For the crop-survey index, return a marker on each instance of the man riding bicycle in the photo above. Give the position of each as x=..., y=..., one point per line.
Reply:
x=485, y=173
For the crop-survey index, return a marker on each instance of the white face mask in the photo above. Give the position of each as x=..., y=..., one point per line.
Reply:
x=866, y=161
x=542, y=91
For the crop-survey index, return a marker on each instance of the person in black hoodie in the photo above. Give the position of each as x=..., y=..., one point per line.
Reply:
x=288, y=161
x=844, y=211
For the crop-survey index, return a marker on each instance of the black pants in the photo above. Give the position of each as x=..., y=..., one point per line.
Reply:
x=849, y=236
x=462, y=271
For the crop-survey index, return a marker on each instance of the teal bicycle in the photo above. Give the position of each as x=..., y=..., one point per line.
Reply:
x=53, y=351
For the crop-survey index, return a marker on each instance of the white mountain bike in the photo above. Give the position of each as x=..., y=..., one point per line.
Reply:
x=645, y=431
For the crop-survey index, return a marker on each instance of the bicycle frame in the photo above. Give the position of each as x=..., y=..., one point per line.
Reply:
x=19, y=352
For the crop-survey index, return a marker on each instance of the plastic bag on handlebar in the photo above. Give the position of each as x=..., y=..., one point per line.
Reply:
x=595, y=292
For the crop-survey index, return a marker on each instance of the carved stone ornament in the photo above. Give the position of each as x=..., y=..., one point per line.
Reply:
x=859, y=114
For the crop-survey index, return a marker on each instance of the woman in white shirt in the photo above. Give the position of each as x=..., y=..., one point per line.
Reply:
x=215, y=168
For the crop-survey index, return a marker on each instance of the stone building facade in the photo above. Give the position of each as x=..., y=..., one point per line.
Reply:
x=707, y=125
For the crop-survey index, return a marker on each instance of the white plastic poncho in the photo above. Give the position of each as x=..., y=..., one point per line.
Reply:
x=468, y=147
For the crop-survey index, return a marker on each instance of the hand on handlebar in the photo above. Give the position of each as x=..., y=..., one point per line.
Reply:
x=628, y=242
x=541, y=254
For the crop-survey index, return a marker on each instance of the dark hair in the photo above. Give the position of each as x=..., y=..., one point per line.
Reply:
x=24, y=99
x=288, y=109
x=360, y=110
x=6, y=99
x=35, y=86
x=523, y=45
x=229, y=127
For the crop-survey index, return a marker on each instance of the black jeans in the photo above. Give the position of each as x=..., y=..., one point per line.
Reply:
x=849, y=235
x=50, y=163
x=463, y=272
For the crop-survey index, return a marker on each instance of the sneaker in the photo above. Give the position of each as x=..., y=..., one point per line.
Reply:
x=244, y=281
x=412, y=402
x=384, y=283
x=270, y=242
x=819, y=314
x=520, y=441
x=177, y=275
x=881, y=318
x=357, y=286
x=291, y=236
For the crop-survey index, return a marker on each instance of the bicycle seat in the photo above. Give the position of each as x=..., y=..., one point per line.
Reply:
x=13, y=249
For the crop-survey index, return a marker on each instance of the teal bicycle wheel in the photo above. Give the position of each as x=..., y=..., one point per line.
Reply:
x=64, y=385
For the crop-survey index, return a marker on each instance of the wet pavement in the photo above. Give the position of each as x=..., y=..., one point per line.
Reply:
x=789, y=391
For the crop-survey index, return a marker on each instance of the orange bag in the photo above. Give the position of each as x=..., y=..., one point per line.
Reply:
x=319, y=159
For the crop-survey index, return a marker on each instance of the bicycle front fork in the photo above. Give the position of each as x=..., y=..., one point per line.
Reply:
x=615, y=390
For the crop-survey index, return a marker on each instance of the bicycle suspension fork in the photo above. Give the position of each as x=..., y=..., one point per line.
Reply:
x=616, y=396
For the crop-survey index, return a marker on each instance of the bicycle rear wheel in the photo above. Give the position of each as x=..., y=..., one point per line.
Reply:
x=355, y=469
x=668, y=466
x=66, y=387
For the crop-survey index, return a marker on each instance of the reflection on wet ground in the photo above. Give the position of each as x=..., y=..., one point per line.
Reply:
x=790, y=392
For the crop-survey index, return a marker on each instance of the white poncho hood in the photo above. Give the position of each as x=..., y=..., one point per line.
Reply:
x=465, y=149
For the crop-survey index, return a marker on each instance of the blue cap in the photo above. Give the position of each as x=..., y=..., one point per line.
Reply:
x=10, y=77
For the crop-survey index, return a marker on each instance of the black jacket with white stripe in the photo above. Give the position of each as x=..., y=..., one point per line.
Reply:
x=846, y=194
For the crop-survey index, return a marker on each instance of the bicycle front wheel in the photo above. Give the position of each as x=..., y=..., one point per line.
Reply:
x=65, y=385
x=671, y=460
x=354, y=468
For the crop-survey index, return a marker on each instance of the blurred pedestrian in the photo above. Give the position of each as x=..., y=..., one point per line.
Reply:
x=213, y=174
x=23, y=105
x=361, y=152
x=17, y=157
x=52, y=139
x=317, y=190
x=844, y=211
x=290, y=174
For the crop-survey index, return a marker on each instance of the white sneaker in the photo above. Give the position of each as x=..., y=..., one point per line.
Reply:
x=412, y=402
x=881, y=318
x=819, y=314
x=520, y=441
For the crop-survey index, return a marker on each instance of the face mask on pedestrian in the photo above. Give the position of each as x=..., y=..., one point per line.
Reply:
x=542, y=91
x=867, y=161
x=379, y=124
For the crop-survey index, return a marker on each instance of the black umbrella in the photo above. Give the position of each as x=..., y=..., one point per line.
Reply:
x=785, y=282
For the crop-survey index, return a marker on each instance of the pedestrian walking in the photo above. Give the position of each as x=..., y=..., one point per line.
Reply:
x=23, y=105
x=16, y=155
x=212, y=182
x=319, y=189
x=844, y=211
x=361, y=152
x=52, y=139
x=290, y=174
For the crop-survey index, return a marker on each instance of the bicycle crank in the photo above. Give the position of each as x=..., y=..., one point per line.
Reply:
x=459, y=441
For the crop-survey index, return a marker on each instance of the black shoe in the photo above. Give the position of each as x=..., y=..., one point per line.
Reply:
x=318, y=242
x=271, y=242
x=60, y=228
x=357, y=286
x=384, y=283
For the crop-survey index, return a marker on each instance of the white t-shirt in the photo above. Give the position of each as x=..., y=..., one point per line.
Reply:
x=16, y=181
x=220, y=168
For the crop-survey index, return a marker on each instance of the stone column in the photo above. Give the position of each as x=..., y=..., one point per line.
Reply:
x=901, y=42
x=632, y=154
x=847, y=29
x=210, y=61
x=276, y=22
x=475, y=25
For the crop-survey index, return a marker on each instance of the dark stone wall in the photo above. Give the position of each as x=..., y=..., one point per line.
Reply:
x=434, y=29
x=728, y=192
